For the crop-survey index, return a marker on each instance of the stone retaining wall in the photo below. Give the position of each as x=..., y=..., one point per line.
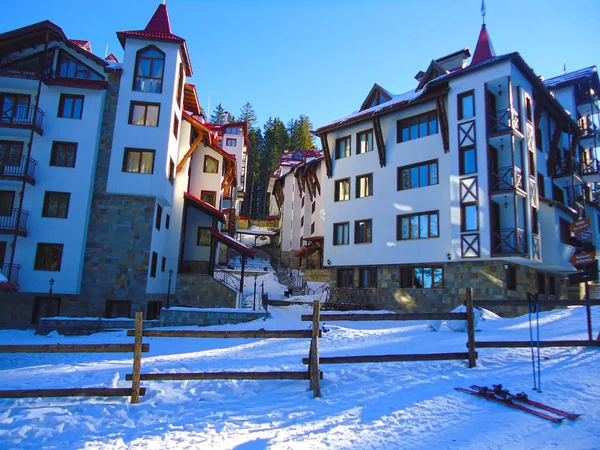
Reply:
x=194, y=316
x=84, y=326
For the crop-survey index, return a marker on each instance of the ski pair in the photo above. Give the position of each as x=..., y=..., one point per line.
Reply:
x=493, y=398
x=521, y=397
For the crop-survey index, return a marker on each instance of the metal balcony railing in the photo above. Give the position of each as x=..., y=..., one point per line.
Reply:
x=11, y=272
x=509, y=240
x=566, y=167
x=10, y=217
x=22, y=115
x=507, y=179
x=17, y=167
x=226, y=277
x=503, y=120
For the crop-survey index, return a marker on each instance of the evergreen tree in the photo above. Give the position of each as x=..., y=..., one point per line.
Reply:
x=253, y=196
x=218, y=115
x=300, y=137
x=247, y=114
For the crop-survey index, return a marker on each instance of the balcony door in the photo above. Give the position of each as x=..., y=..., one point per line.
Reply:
x=14, y=108
x=7, y=200
x=2, y=255
x=491, y=112
x=45, y=307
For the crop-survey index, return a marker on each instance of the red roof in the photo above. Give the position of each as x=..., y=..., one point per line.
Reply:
x=159, y=28
x=301, y=251
x=216, y=148
x=272, y=217
x=112, y=57
x=230, y=242
x=205, y=207
x=314, y=238
x=484, y=49
x=86, y=45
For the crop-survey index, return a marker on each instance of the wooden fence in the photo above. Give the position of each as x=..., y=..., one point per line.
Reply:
x=313, y=374
x=136, y=348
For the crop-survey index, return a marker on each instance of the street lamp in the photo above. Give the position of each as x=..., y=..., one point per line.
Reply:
x=51, y=284
x=169, y=288
x=254, y=302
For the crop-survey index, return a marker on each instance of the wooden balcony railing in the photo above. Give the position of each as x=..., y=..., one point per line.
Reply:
x=10, y=217
x=17, y=168
x=509, y=240
x=507, y=179
x=504, y=120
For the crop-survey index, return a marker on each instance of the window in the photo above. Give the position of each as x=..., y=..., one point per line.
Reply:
x=418, y=175
x=175, y=126
x=511, y=278
x=302, y=195
x=158, y=216
x=363, y=231
x=367, y=278
x=312, y=228
x=56, y=204
x=531, y=162
x=153, y=265
x=171, y=170
x=48, y=257
x=541, y=283
x=117, y=308
x=167, y=221
x=341, y=233
x=422, y=277
x=163, y=264
x=302, y=222
x=71, y=68
x=364, y=185
x=466, y=105
x=364, y=142
x=149, y=68
x=14, y=108
x=70, y=106
x=180, y=84
x=565, y=233
x=535, y=229
x=313, y=207
x=342, y=147
x=138, y=161
x=417, y=127
x=417, y=226
x=468, y=160
x=63, y=154
x=558, y=194
x=230, y=142
x=10, y=155
x=528, y=109
x=203, y=237
x=233, y=130
x=145, y=114
x=551, y=285
x=541, y=185
x=211, y=165
x=7, y=200
x=538, y=139
x=469, y=217
x=209, y=197
x=345, y=277
x=220, y=143
x=342, y=190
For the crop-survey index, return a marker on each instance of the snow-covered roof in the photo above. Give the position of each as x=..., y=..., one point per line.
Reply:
x=570, y=77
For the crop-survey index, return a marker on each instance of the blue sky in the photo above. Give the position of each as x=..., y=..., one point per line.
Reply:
x=321, y=57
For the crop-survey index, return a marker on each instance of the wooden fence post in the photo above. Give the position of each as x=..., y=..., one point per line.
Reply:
x=315, y=367
x=137, y=359
x=471, y=329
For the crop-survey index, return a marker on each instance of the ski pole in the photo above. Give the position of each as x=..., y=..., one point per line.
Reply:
x=531, y=341
x=537, y=318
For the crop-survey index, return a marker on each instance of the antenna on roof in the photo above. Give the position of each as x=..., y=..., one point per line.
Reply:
x=106, y=52
x=565, y=68
x=483, y=10
x=208, y=107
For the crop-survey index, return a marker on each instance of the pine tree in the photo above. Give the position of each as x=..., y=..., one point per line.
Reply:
x=253, y=195
x=218, y=115
x=247, y=114
x=300, y=137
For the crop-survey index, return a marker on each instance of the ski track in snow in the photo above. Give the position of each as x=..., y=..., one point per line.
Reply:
x=363, y=406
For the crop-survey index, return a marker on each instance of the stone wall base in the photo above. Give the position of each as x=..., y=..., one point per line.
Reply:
x=193, y=316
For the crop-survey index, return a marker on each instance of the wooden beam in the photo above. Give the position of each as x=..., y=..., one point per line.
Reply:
x=510, y=302
x=71, y=392
x=380, y=317
x=137, y=359
x=248, y=334
x=391, y=358
x=379, y=140
x=443, y=122
x=195, y=144
x=327, y=154
x=527, y=344
x=72, y=348
x=471, y=329
x=223, y=376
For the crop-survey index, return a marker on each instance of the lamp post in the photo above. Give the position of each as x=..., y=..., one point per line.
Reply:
x=51, y=284
x=254, y=302
x=169, y=288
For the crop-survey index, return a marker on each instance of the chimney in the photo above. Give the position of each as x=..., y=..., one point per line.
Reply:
x=226, y=116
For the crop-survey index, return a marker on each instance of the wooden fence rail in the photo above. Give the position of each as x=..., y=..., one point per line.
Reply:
x=248, y=334
x=136, y=348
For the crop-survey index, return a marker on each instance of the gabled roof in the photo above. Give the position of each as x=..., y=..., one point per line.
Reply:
x=202, y=126
x=204, y=207
x=190, y=99
x=232, y=243
x=571, y=78
x=484, y=49
x=433, y=71
x=375, y=91
x=86, y=45
x=159, y=29
x=112, y=58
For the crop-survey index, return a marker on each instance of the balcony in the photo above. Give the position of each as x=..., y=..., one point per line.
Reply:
x=11, y=272
x=14, y=220
x=567, y=166
x=508, y=178
x=505, y=120
x=18, y=168
x=22, y=116
x=509, y=241
x=591, y=171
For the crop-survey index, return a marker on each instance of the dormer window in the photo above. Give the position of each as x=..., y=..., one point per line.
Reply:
x=149, y=69
x=71, y=68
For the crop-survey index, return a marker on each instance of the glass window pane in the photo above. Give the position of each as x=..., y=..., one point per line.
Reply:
x=147, y=160
x=438, y=277
x=423, y=175
x=469, y=165
x=427, y=278
x=362, y=147
x=433, y=124
x=414, y=227
x=424, y=226
x=346, y=233
x=423, y=126
x=144, y=67
x=405, y=179
x=414, y=177
x=418, y=278
x=404, y=135
x=133, y=161
x=467, y=106
x=368, y=231
x=137, y=115
x=405, y=227
x=433, y=173
x=157, y=68
x=152, y=116
x=470, y=217
x=369, y=142
x=77, y=105
x=414, y=129
x=433, y=225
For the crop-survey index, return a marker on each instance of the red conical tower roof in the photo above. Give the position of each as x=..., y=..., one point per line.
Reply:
x=484, y=49
x=160, y=21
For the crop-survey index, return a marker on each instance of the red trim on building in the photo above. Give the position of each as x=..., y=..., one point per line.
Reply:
x=205, y=207
x=314, y=238
x=484, y=49
x=301, y=251
x=230, y=242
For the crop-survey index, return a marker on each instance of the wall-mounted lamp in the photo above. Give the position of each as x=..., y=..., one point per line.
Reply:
x=328, y=262
x=499, y=90
x=505, y=202
x=501, y=144
x=449, y=256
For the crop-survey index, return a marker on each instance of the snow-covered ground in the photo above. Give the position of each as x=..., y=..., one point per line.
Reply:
x=364, y=406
